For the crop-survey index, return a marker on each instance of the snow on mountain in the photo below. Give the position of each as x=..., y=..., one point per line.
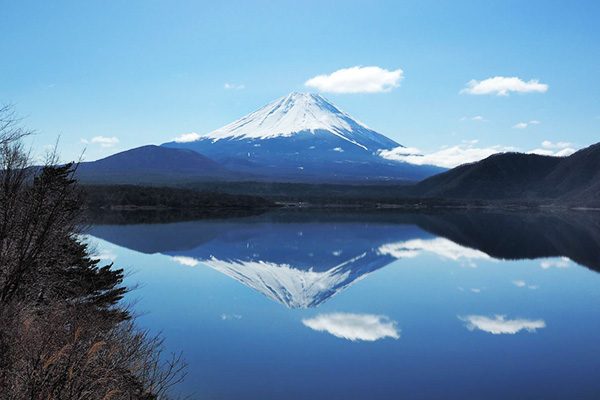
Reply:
x=303, y=137
x=300, y=112
x=292, y=287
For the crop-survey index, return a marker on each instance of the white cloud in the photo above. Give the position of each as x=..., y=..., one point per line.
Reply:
x=565, y=152
x=478, y=118
x=187, y=137
x=103, y=141
x=558, y=145
x=468, y=152
x=357, y=80
x=339, y=149
x=234, y=86
x=187, y=261
x=400, y=152
x=562, y=262
x=499, y=325
x=558, y=149
x=366, y=327
x=440, y=246
x=522, y=284
x=523, y=125
x=502, y=86
x=229, y=317
x=520, y=125
x=448, y=157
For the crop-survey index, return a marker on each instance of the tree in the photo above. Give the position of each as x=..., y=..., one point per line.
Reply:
x=63, y=333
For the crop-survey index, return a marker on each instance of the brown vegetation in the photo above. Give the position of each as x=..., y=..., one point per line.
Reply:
x=63, y=334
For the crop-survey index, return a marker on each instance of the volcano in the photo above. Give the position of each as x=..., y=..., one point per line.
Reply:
x=303, y=137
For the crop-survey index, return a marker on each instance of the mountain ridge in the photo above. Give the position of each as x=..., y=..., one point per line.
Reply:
x=151, y=164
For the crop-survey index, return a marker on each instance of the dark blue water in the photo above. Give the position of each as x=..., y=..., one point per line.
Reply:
x=378, y=306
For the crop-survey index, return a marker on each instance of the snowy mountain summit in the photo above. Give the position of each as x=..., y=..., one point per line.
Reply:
x=302, y=112
x=304, y=137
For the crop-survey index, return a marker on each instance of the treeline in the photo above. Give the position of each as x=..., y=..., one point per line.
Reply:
x=63, y=332
x=147, y=197
x=358, y=196
x=204, y=199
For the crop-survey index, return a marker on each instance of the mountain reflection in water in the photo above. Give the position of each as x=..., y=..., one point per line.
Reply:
x=301, y=259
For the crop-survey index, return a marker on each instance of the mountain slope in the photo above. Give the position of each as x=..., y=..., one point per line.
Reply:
x=304, y=138
x=151, y=164
x=515, y=176
x=577, y=177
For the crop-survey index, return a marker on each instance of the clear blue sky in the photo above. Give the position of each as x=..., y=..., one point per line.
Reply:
x=147, y=71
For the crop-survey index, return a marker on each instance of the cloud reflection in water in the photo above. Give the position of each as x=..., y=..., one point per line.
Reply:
x=365, y=327
x=499, y=325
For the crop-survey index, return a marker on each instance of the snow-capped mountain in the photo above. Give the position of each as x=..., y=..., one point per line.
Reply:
x=302, y=112
x=303, y=137
x=297, y=287
x=298, y=263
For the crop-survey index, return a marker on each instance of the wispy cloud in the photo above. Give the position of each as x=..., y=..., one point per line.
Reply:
x=477, y=118
x=229, y=317
x=522, y=284
x=234, y=86
x=365, y=327
x=556, y=145
x=102, y=141
x=499, y=325
x=503, y=86
x=357, y=80
x=187, y=137
x=523, y=125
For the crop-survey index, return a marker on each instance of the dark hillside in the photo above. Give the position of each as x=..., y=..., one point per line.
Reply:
x=151, y=165
x=573, y=180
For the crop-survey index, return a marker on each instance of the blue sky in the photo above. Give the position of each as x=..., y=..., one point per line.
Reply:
x=147, y=71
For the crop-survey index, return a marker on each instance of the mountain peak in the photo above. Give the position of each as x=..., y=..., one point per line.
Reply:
x=294, y=113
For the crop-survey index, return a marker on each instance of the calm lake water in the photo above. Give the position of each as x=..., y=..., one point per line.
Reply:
x=325, y=305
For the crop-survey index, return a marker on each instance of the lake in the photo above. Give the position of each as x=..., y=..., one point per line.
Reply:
x=380, y=305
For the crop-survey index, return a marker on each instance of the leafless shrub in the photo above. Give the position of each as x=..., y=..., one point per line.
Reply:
x=63, y=334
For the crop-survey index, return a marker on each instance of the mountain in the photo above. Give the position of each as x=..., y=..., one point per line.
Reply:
x=320, y=253
x=151, y=164
x=573, y=180
x=312, y=262
x=304, y=138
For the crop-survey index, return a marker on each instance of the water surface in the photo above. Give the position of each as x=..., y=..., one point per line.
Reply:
x=325, y=305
